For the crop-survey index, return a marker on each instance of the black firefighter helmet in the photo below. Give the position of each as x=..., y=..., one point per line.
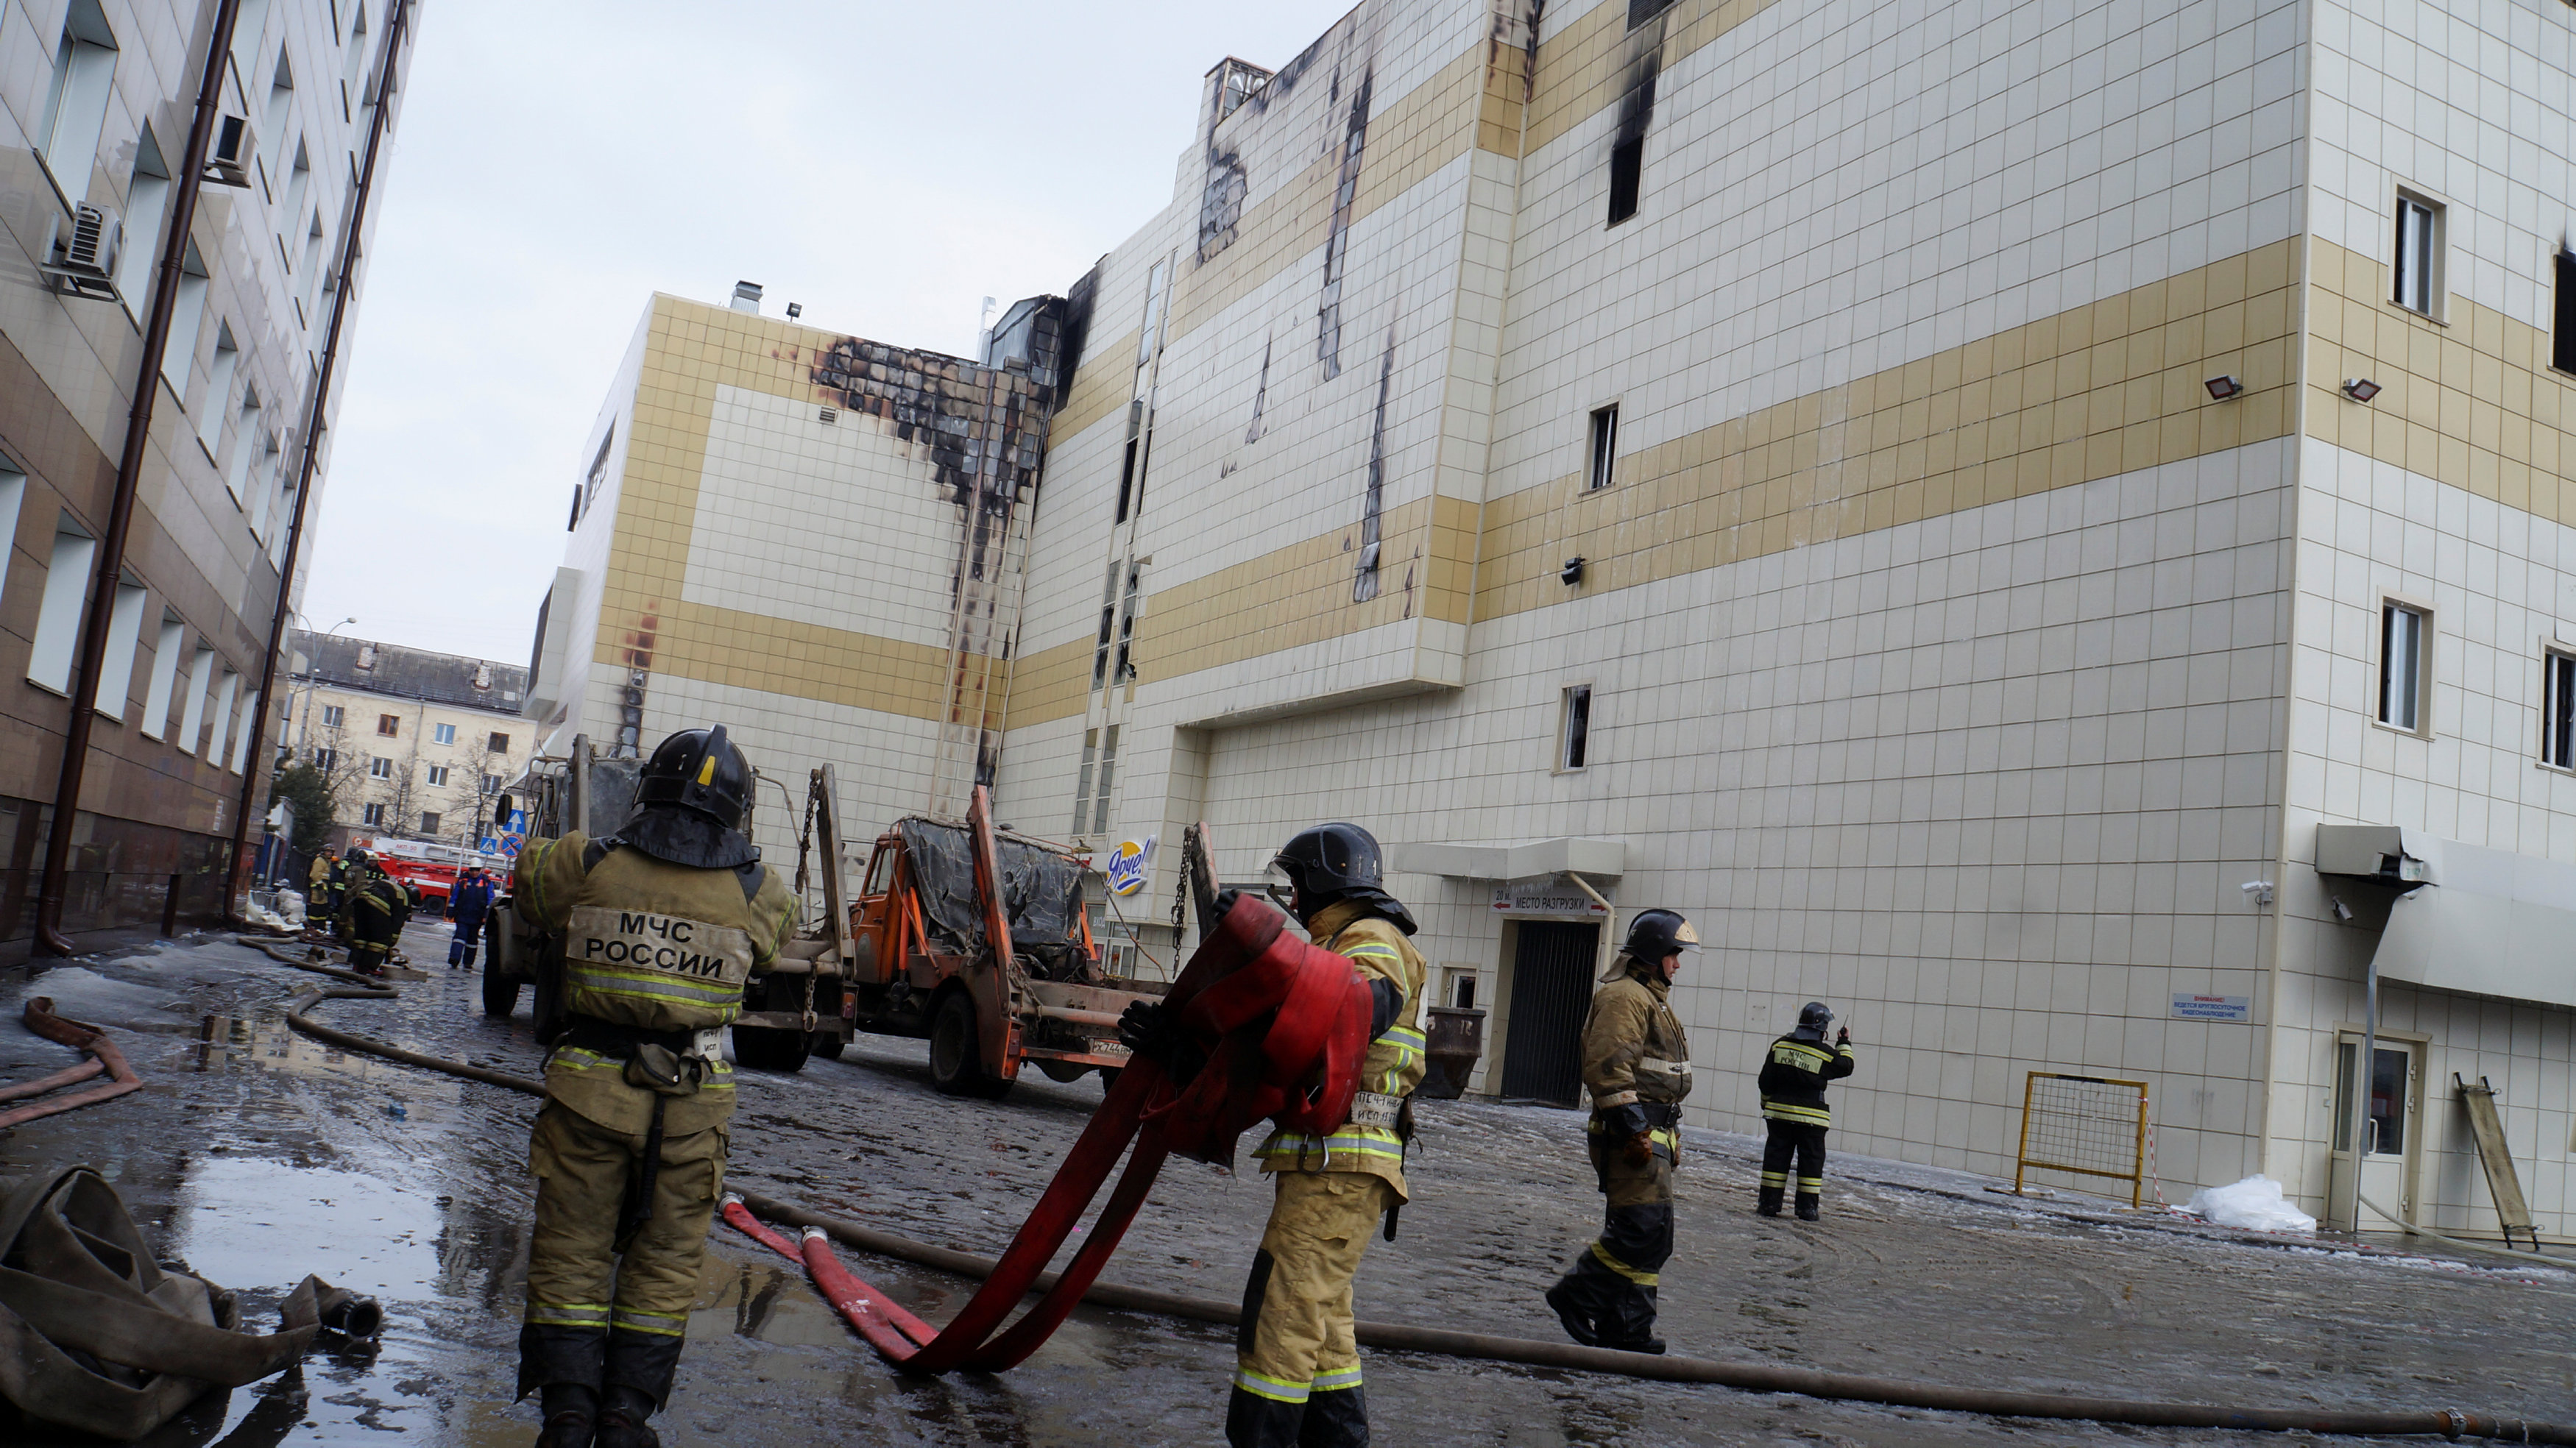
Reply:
x=689, y=802
x=1334, y=862
x=1655, y=934
x=1813, y=1017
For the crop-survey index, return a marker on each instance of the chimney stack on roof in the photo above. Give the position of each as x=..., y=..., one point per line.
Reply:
x=746, y=297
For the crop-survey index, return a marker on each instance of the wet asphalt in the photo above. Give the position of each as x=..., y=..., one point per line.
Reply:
x=255, y=1156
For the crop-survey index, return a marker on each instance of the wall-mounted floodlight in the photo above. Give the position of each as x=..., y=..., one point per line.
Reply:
x=2360, y=389
x=795, y=309
x=2223, y=388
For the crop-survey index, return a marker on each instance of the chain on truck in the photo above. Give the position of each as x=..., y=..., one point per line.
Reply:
x=971, y=937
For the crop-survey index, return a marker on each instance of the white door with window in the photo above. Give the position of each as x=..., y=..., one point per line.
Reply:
x=2390, y=1130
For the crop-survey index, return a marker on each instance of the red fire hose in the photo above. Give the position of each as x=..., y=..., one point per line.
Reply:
x=1273, y=1007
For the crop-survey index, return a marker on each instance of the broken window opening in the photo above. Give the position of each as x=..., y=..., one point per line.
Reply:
x=1605, y=439
x=1627, y=166
x=1576, y=734
x=1125, y=669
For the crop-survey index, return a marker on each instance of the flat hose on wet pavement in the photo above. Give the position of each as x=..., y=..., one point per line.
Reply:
x=1397, y=1337
x=103, y=1058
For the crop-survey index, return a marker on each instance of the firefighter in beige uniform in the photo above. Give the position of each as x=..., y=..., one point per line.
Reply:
x=1297, y=1379
x=1636, y=1063
x=660, y=924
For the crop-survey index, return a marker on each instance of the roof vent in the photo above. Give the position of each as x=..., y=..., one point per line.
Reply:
x=746, y=297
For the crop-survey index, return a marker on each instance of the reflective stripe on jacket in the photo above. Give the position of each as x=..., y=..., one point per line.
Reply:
x=1793, y=1079
x=653, y=945
x=1395, y=1060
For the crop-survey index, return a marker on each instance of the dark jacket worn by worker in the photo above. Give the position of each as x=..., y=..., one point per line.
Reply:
x=470, y=900
x=1793, y=1079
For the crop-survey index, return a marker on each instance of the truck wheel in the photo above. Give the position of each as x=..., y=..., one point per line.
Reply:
x=956, y=1056
x=827, y=1044
x=500, y=989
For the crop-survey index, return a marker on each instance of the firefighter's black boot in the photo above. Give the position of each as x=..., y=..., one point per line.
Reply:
x=1567, y=1299
x=1808, y=1202
x=1769, y=1204
x=621, y=1422
x=569, y=1409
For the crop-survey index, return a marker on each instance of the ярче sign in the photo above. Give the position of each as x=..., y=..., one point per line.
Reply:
x=2212, y=1008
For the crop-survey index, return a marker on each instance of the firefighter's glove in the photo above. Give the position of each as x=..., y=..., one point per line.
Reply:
x=1627, y=1125
x=1843, y=1036
x=1153, y=1032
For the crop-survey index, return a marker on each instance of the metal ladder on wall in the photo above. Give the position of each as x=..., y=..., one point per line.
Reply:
x=2504, y=1184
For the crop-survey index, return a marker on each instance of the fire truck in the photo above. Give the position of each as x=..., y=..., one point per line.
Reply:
x=428, y=865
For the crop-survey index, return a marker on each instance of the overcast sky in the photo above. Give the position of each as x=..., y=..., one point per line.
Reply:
x=557, y=162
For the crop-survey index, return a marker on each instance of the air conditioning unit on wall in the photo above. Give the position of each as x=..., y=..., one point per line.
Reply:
x=81, y=258
x=228, y=152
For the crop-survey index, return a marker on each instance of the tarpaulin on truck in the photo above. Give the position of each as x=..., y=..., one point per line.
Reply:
x=1041, y=890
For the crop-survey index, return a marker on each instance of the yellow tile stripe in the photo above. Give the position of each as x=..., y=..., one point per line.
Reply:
x=2474, y=404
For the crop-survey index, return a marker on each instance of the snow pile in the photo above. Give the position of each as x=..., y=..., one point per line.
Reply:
x=2254, y=1204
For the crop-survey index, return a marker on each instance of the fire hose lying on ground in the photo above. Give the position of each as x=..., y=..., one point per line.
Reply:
x=1278, y=1016
x=104, y=1059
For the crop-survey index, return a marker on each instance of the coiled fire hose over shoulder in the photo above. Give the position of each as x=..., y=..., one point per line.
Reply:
x=893, y=1331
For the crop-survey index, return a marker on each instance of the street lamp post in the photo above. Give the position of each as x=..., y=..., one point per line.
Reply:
x=305, y=721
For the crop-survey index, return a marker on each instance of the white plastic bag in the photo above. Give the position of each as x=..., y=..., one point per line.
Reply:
x=2254, y=1204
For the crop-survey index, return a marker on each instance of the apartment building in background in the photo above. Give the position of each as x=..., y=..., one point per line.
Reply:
x=410, y=743
x=96, y=104
x=2043, y=525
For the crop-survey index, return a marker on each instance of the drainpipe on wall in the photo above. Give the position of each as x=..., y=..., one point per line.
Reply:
x=253, y=767
x=129, y=474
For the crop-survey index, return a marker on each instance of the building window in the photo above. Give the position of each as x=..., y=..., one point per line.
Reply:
x=76, y=107
x=58, y=615
x=1575, y=736
x=1605, y=441
x=373, y=814
x=438, y=775
x=2419, y=255
x=2562, y=335
x=124, y=641
x=498, y=744
x=491, y=784
x=379, y=767
x=192, y=714
x=388, y=725
x=1627, y=168
x=2405, y=666
x=1108, y=631
x=326, y=760
x=219, y=389
x=429, y=822
x=147, y=202
x=333, y=716
x=1091, y=792
x=444, y=733
x=13, y=492
x=2558, y=709
x=165, y=678
x=187, y=318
